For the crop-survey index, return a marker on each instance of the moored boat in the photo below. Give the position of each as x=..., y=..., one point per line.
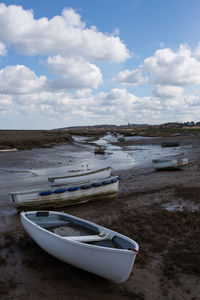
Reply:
x=121, y=139
x=81, y=177
x=176, y=134
x=170, y=144
x=169, y=164
x=67, y=194
x=8, y=150
x=99, y=150
x=83, y=244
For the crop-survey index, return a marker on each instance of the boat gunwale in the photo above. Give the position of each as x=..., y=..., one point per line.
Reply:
x=81, y=244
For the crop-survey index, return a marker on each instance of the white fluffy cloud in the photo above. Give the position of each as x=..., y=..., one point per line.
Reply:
x=76, y=73
x=167, y=68
x=73, y=48
x=168, y=91
x=117, y=106
x=20, y=80
x=128, y=77
x=5, y=103
x=65, y=34
x=179, y=68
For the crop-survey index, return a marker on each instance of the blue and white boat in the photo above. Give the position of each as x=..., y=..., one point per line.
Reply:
x=67, y=194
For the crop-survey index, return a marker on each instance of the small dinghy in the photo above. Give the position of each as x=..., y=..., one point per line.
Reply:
x=169, y=164
x=82, y=244
x=81, y=177
x=67, y=194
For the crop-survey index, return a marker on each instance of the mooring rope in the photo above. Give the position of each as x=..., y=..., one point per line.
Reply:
x=158, y=274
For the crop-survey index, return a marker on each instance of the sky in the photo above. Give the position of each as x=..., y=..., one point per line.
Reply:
x=88, y=62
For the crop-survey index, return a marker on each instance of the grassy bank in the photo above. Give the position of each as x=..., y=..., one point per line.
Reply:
x=28, y=139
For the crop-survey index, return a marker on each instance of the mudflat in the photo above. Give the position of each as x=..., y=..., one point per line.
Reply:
x=159, y=210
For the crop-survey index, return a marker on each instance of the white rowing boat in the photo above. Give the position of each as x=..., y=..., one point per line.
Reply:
x=81, y=243
x=67, y=194
x=81, y=177
x=169, y=164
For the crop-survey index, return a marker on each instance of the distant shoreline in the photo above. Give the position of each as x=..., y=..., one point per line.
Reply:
x=12, y=140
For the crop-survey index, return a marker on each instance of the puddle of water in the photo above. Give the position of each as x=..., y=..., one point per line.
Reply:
x=109, y=138
x=181, y=206
x=138, y=138
x=149, y=152
x=79, y=138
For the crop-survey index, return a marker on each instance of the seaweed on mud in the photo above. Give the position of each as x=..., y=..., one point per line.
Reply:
x=25, y=243
x=188, y=193
x=7, y=285
x=8, y=239
x=172, y=235
x=131, y=295
x=182, y=258
x=3, y=261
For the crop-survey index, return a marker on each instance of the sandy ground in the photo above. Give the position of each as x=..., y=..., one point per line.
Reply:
x=160, y=210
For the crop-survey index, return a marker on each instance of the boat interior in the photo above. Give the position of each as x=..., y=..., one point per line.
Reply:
x=77, y=230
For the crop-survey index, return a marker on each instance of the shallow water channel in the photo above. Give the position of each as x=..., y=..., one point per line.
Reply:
x=29, y=169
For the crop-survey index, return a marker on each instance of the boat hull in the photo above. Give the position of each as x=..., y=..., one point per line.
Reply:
x=174, y=164
x=84, y=177
x=33, y=199
x=170, y=144
x=112, y=264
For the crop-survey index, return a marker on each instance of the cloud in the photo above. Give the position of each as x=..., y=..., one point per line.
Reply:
x=131, y=78
x=66, y=34
x=20, y=80
x=193, y=101
x=75, y=73
x=116, y=106
x=5, y=103
x=197, y=51
x=167, y=67
x=3, y=51
x=168, y=91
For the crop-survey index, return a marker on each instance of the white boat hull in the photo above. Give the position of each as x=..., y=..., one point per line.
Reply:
x=167, y=164
x=82, y=177
x=110, y=263
x=31, y=199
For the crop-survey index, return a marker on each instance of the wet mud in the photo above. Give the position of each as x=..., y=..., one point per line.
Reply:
x=159, y=210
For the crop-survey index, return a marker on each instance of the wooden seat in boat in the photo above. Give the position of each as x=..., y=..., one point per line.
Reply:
x=87, y=238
